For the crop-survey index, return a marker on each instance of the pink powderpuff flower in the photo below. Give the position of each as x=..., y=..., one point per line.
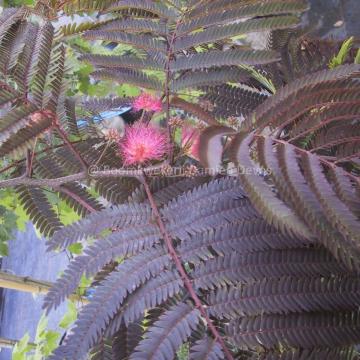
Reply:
x=147, y=102
x=190, y=141
x=142, y=143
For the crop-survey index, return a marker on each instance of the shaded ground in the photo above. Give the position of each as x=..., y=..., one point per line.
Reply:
x=336, y=19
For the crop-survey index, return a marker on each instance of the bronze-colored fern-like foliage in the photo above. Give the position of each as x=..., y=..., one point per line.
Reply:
x=168, y=42
x=242, y=267
x=310, y=157
x=263, y=264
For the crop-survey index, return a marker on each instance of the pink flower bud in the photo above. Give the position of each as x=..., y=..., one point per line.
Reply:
x=190, y=141
x=147, y=102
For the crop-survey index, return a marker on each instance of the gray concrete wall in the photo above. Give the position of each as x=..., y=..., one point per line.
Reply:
x=20, y=312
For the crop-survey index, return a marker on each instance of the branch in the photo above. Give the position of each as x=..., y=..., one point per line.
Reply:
x=71, y=146
x=53, y=183
x=184, y=276
x=90, y=173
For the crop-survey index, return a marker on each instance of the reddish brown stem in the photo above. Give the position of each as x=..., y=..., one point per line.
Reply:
x=4, y=85
x=167, y=88
x=184, y=276
x=70, y=146
x=76, y=197
x=170, y=55
x=30, y=159
x=62, y=4
x=168, y=127
x=335, y=142
x=321, y=159
x=302, y=100
x=347, y=158
x=109, y=142
x=322, y=124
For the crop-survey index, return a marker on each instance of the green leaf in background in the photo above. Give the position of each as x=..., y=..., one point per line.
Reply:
x=357, y=57
x=21, y=348
x=15, y=3
x=70, y=316
x=46, y=340
x=7, y=226
x=66, y=213
x=84, y=284
x=9, y=200
x=75, y=248
x=83, y=75
x=340, y=58
x=183, y=352
x=50, y=342
x=128, y=90
x=11, y=217
x=259, y=77
x=101, y=89
x=41, y=328
x=39, y=337
x=4, y=250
